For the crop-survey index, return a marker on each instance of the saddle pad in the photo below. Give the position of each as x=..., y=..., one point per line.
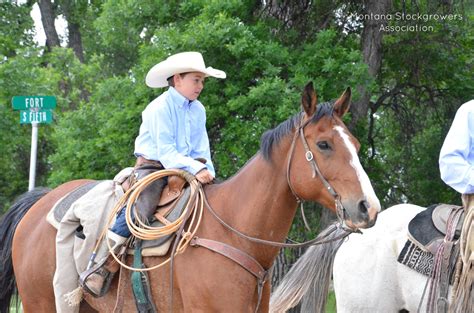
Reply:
x=160, y=246
x=421, y=261
x=415, y=258
x=62, y=206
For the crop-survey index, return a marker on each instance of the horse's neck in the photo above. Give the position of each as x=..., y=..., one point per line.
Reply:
x=258, y=202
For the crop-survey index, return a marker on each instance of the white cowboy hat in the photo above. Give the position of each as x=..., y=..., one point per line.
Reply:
x=179, y=63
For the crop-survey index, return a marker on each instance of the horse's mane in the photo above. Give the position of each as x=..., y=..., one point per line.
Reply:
x=272, y=137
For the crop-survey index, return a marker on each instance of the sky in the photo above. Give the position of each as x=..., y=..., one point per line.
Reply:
x=40, y=37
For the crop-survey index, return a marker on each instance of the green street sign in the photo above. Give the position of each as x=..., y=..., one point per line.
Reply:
x=33, y=102
x=39, y=116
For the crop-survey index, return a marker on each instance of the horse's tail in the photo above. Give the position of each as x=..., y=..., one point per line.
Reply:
x=8, y=224
x=309, y=278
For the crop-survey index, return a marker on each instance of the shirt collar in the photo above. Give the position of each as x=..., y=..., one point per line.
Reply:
x=179, y=98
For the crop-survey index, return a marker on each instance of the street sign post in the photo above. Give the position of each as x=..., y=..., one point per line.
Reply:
x=34, y=110
x=33, y=154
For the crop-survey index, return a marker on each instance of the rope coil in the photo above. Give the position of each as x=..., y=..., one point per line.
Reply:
x=141, y=230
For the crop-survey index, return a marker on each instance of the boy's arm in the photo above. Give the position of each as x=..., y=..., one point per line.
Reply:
x=455, y=169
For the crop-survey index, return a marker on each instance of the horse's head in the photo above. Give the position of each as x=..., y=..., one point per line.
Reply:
x=323, y=165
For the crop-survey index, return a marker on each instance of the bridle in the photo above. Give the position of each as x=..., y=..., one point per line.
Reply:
x=309, y=156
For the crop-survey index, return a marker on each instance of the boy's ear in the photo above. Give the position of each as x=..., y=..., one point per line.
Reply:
x=176, y=78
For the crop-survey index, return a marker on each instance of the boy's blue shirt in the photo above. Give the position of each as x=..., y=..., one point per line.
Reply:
x=456, y=160
x=173, y=131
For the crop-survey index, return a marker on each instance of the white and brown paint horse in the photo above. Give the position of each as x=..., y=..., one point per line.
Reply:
x=367, y=276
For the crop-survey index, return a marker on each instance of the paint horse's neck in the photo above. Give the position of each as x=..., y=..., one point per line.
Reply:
x=259, y=202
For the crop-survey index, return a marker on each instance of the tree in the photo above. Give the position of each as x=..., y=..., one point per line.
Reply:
x=73, y=11
x=48, y=16
x=371, y=46
x=417, y=102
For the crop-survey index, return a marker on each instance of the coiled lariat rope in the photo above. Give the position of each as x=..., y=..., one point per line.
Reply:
x=141, y=230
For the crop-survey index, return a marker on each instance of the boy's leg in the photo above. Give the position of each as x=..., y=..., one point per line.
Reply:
x=148, y=199
x=467, y=234
x=145, y=207
x=94, y=278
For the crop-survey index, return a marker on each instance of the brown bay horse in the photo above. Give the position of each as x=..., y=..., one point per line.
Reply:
x=260, y=201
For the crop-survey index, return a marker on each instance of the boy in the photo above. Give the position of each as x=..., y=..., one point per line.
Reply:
x=456, y=163
x=172, y=135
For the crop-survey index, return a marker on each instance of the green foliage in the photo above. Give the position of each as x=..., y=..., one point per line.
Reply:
x=15, y=27
x=333, y=62
x=433, y=73
x=18, y=74
x=96, y=140
x=267, y=61
x=124, y=25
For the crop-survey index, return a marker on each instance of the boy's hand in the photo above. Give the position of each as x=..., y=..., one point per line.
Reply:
x=204, y=176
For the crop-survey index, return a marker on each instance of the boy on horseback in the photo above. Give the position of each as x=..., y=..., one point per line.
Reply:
x=172, y=135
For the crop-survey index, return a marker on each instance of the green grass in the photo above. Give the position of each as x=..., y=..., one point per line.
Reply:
x=331, y=304
x=13, y=308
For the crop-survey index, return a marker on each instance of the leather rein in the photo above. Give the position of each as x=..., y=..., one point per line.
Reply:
x=248, y=262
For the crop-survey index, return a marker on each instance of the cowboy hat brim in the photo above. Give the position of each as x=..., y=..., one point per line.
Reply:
x=158, y=76
x=179, y=63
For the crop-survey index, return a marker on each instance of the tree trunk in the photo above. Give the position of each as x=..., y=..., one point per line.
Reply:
x=72, y=13
x=371, y=45
x=47, y=18
x=75, y=41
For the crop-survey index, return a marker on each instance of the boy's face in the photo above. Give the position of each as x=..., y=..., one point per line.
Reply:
x=190, y=85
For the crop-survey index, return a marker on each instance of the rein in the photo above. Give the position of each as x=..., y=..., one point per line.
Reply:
x=315, y=241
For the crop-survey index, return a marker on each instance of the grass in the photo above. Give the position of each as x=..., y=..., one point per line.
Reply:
x=331, y=303
x=13, y=308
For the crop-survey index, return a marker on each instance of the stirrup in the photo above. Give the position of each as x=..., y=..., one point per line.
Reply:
x=98, y=269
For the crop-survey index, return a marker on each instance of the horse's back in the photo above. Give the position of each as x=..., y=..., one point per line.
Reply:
x=33, y=252
x=367, y=276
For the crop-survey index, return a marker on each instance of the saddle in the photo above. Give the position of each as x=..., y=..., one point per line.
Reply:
x=428, y=228
x=427, y=233
x=172, y=202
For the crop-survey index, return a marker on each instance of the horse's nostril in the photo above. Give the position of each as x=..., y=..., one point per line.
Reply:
x=363, y=206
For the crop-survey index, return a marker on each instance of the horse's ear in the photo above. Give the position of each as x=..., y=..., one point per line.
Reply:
x=309, y=99
x=341, y=106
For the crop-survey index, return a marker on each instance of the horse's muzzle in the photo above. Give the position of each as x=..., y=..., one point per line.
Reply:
x=360, y=214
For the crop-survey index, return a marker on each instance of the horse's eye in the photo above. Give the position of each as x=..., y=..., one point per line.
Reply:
x=323, y=145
